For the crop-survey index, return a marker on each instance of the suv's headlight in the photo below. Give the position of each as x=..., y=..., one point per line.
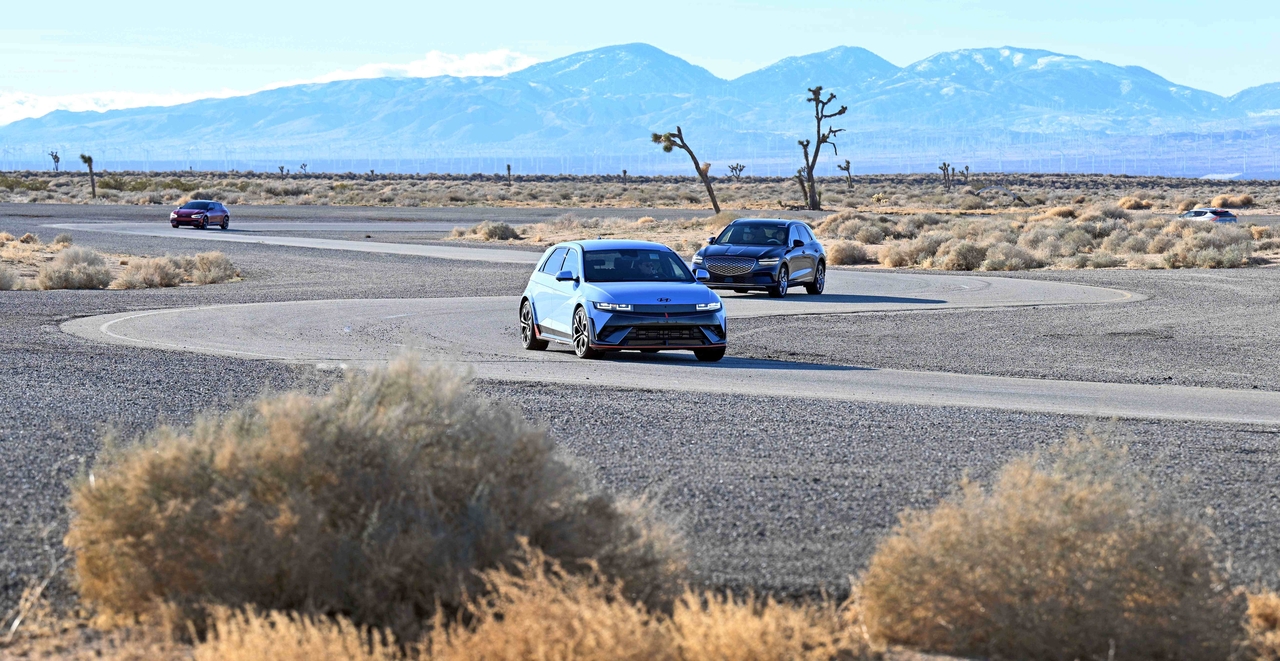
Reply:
x=697, y=259
x=772, y=261
x=708, y=307
x=172, y=215
x=613, y=307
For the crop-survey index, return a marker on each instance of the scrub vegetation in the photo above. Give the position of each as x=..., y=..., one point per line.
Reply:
x=28, y=263
x=461, y=532
x=893, y=194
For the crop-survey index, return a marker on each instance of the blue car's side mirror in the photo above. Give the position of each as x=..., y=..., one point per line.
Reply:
x=565, y=275
x=711, y=240
x=701, y=275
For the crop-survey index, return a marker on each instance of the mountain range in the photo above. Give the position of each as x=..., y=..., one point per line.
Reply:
x=606, y=102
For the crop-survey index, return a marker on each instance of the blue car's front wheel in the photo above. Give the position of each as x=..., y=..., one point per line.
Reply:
x=528, y=334
x=582, y=335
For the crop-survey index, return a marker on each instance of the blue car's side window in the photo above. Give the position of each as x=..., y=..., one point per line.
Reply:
x=571, y=263
x=552, y=266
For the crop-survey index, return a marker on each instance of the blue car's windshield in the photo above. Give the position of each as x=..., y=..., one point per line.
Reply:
x=754, y=234
x=201, y=206
x=635, y=265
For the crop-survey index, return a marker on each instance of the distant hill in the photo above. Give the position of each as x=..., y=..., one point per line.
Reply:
x=606, y=102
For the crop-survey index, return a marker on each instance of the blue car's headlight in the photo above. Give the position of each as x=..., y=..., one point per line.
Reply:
x=708, y=307
x=697, y=259
x=612, y=307
x=772, y=261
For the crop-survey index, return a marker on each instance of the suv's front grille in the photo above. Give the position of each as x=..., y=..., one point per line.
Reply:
x=729, y=265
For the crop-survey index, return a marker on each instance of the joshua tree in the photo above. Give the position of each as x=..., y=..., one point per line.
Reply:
x=811, y=160
x=804, y=188
x=56, y=160
x=303, y=168
x=847, y=169
x=93, y=184
x=965, y=175
x=281, y=168
x=624, y=176
x=675, y=140
x=947, y=173
x=736, y=171
x=508, y=174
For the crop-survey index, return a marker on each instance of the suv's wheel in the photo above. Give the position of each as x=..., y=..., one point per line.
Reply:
x=780, y=290
x=709, y=355
x=226, y=220
x=528, y=335
x=582, y=335
x=201, y=224
x=819, y=280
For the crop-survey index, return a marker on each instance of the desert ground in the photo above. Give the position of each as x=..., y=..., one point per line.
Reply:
x=783, y=466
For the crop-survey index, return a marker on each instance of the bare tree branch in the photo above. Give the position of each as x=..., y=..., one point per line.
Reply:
x=671, y=141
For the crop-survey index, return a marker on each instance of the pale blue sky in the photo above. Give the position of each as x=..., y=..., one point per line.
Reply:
x=175, y=48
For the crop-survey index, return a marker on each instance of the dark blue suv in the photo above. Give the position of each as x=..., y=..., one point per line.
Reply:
x=754, y=254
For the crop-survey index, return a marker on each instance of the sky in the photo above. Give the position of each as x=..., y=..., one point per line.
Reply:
x=92, y=55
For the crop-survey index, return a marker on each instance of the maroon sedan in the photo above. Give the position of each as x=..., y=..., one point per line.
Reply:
x=201, y=214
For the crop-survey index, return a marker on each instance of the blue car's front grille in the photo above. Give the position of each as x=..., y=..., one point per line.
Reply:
x=729, y=265
x=663, y=308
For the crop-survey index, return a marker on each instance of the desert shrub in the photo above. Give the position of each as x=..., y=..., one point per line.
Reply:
x=1136, y=244
x=236, y=635
x=1263, y=626
x=150, y=272
x=63, y=239
x=1269, y=245
x=211, y=268
x=488, y=231
x=75, y=268
x=870, y=235
x=541, y=611
x=1008, y=257
x=6, y=237
x=1232, y=201
x=894, y=257
x=1260, y=232
x=379, y=501
x=1187, y=205
x=1059, y=212
x=958, y=255
x=30, y=239
x=1133, y=204
x=1113, y=212
x=9, y=280
x=971, y=203
x=1160, y=244
x=1104, y=260
x=1065, y=556
x=843, y=253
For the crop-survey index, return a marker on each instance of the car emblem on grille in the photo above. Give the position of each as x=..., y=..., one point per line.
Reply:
x=664, y=300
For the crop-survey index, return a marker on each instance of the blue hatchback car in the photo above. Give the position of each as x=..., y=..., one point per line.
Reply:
x=600, y=296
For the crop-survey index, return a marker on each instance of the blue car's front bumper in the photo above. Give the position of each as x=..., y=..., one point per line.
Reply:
x=651, y=329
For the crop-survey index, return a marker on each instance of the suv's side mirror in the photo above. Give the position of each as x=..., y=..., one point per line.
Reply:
x=711, y=240
x=701, y=275
x=565, y=275
x=797, y=244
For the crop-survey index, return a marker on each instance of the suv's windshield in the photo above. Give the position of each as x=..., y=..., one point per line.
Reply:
x=638, y=265
x=754, y=234
x=201, y=206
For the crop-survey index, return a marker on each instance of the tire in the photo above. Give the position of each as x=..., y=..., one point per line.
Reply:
x=819, y=280
x=709, y=355
x=528, y=335
x=202, y=224
x=582, y=336
x=226, y=220
x=780, y=290
x=173, y=225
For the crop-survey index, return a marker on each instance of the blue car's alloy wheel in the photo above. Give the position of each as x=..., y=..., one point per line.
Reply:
x=528, y=336
x=582, y=335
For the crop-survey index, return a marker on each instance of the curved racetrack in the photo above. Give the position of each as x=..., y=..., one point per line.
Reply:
x=480, y=333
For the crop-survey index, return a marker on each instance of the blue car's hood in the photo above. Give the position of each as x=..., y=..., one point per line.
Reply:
x=755, y=252
x=648, y=293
